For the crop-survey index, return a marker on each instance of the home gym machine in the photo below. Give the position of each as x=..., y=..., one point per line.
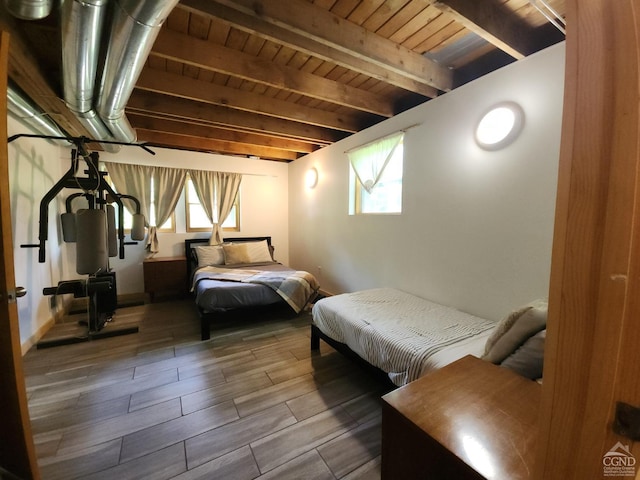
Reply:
x=96, y=236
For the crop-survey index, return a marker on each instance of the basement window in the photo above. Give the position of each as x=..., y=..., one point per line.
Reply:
x=376, y=176
x=197, y=220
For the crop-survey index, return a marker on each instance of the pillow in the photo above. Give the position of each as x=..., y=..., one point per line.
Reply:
x=209, y=255
x=514, y=330
x=247, y=252
x=528, y=359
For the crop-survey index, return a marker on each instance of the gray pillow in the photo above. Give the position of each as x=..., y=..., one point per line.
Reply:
x=514, y=330
x=529, y=358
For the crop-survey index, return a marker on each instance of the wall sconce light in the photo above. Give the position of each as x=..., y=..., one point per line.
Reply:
x=311, y=178
x=500, y=126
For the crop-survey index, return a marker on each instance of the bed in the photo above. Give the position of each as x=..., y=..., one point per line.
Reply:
x=406, y=336
x=242, y=274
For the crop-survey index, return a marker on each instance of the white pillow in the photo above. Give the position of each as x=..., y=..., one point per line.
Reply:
x=528, y=360
x=514, y=330
x=246, y=252
x=210, y=255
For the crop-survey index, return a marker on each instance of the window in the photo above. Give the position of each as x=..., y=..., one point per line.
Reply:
x=167, y=227
x=197, y=220
x=376, y=176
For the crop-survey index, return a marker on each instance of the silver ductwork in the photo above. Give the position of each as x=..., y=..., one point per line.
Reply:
x=135, y=26
x=29, y=9
x=81, y=24
x=25, y=111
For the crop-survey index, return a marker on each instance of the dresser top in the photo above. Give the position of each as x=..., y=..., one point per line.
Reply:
x=485, y=414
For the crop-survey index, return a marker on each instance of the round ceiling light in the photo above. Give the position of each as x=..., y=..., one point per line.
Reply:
x=500, y=126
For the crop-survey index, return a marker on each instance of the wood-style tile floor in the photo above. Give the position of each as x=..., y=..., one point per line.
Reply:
x=253, y=402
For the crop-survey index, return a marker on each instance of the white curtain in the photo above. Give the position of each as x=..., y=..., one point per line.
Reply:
x=370, y=160
x=217, y=193
x=136, y=180
x=167, y=185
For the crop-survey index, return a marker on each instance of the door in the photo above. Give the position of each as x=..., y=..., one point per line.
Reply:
x=17, y=452
x=592, y=357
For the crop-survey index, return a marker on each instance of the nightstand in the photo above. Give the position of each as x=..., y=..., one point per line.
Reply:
x=165, y=275
x=468, y=420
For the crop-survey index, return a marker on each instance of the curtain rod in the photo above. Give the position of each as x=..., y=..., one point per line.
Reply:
x=187, y=169
x=403, y=130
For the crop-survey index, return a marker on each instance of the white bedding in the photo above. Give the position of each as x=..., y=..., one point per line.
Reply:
x=402, y=334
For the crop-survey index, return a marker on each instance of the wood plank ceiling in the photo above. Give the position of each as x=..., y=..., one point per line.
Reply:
x=278, y=79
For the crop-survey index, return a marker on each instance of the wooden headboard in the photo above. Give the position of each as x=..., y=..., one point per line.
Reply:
x=194, y=242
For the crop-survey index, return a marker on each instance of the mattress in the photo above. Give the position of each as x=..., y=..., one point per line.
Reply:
x=399, y=333
x=221, y=295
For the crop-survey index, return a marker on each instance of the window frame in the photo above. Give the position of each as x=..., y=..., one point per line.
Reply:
x=356, y=187
x=187, y=203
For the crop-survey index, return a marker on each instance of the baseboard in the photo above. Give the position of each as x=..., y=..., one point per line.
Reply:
x=58, y=315
x=131, y=299
x=35, y=338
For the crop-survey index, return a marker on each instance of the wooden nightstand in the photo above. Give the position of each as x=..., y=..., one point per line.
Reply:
x=468, y=420
x=166, y=275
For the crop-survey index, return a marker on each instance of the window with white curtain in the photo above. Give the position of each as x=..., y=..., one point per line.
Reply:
x=197, y=220
x=376, y=176
x=167, y=227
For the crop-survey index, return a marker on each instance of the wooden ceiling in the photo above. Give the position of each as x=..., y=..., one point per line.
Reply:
x=277, y=79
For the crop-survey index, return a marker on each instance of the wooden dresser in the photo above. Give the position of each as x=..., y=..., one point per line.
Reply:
x=165, y=275
x=468, y=420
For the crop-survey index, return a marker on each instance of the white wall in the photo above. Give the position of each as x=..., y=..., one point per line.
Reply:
x=476, y=228
x=34, y=167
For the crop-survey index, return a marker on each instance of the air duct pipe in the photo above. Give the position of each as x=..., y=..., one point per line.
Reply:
x=136, y=24
x=24, y=110
x=81, y=26
x=29, y=9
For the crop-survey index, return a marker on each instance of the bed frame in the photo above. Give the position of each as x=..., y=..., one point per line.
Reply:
x=207, y=318
x=343, y=348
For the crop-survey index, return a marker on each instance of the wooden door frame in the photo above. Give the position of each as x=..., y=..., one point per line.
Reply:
x=595, y=278
x=592, y=351
x=17, y=452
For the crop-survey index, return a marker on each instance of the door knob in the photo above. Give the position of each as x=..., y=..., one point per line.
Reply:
x=12, y=295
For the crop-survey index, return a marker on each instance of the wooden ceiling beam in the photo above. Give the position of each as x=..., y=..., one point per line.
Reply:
x=210, y=56
x=190, y=88
x=186, y=142
x=491, y=20
x=329, y=29
x=246, y=19
x=159, y=124
x=223, y=117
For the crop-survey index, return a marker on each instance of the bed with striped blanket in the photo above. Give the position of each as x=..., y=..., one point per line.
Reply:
x=401, y=334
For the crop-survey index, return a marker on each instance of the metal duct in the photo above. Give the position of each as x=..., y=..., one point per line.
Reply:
x=29, y=9
x=136, y=24
x=81, y=24
x=24, y=110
